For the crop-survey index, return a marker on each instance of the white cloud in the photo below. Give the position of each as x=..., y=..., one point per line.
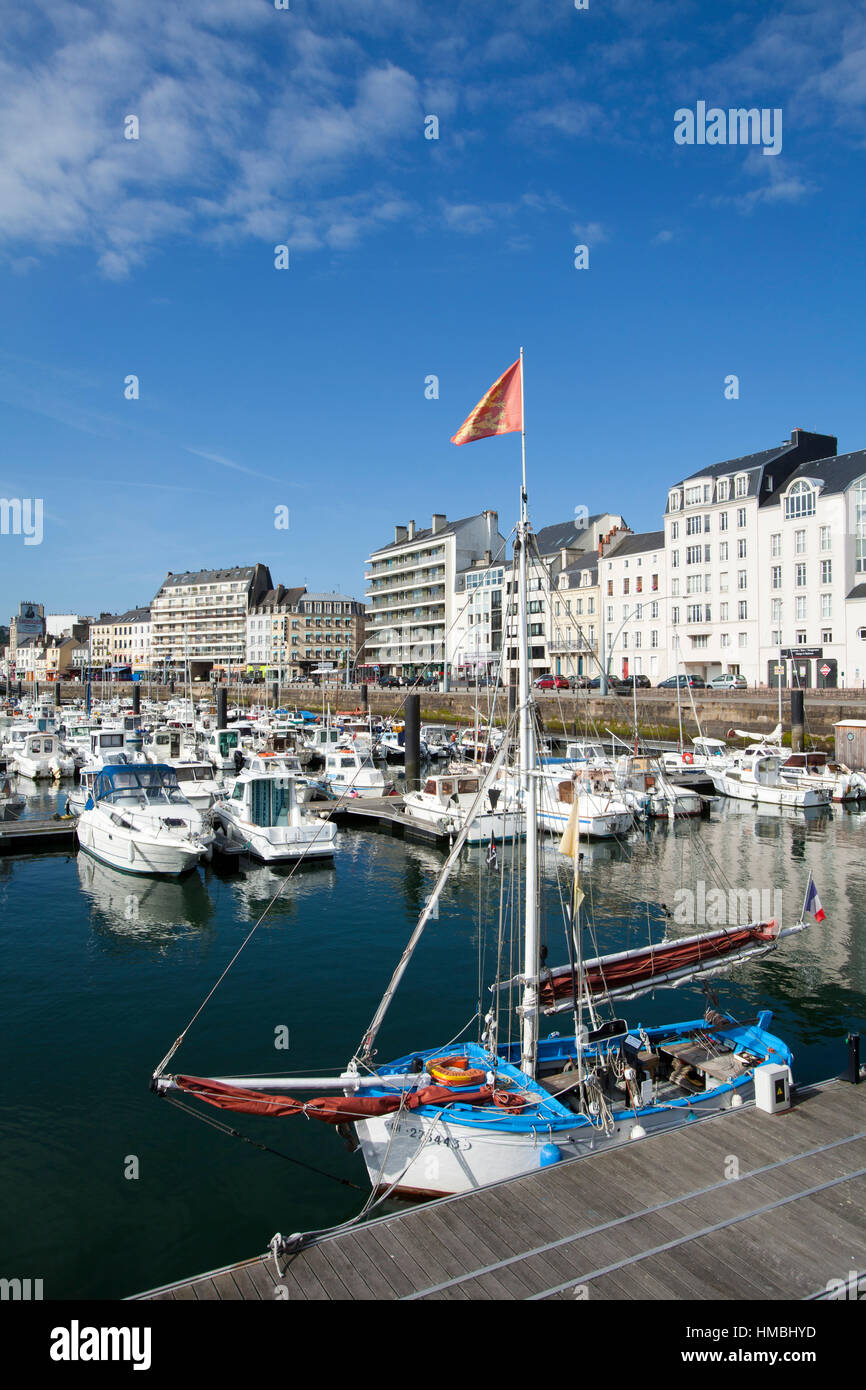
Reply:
x=590, y=232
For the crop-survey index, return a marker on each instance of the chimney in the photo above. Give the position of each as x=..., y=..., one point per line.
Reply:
x=600, y=546
x=411, y=531
x=399, y=534
x=488, y=557
x=440, y=521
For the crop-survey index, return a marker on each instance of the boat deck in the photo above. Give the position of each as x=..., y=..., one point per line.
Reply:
x=743, y=1205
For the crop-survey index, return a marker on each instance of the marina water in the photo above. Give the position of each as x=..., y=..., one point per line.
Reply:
x=109, y=1191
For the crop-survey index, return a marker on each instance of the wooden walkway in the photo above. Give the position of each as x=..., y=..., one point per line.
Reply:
x=386, y=813
x=30, y=836
x=662, y=1218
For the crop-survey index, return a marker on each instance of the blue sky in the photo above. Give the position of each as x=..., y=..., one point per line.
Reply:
x=409, y=257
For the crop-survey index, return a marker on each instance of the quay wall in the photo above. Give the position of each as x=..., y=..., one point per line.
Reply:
x=718, y=711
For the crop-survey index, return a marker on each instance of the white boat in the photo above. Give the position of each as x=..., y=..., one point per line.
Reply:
x=223, y=749
x=41, y=756
x=137, y=819
x=266, y=815
x=647, y=791
x=12, y=803
x=347, y=770
x=171, y=745
x=198, y=783
x=601, y=810
x=449, y=803
x=437, y=739
x=754, y=776
x=818, y=770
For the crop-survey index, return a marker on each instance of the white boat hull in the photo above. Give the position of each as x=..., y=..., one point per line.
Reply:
x=136, y=853
x=279, y=844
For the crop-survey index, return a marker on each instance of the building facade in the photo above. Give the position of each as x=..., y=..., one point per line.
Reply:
x=634, y=584
x=292, y=634
x=199, y=618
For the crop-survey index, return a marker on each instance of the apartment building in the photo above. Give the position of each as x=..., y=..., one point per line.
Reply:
x=200, y=617
x=411, y=589
x=812, y=544
x=634, y=596
x=576, y=628
x=475, y=634
x=712, y=547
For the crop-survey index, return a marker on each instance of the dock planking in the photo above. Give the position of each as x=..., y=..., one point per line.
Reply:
x=662, y=1218
x=31, y=836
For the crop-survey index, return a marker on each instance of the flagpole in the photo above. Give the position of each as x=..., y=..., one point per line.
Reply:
x=529, y=1007
x=809, y=882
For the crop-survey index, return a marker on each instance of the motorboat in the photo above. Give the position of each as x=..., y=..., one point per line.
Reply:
x=602, y=812
x=348, y=771
x=448, y=802
x=266, y=815
x=755, y=776
x=819, y=770
x=40, y=756
x=137, y=819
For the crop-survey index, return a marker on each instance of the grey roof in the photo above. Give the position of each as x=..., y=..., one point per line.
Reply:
x=837, y=473
x=746, y=464
x=563, y=534
x=281, y=597
x=331, y=598
x=135, y=615
x=755, y=465
x=586, y=562
x=638, y=544
x=208, y=576
x=427, y=533
x=859, y=591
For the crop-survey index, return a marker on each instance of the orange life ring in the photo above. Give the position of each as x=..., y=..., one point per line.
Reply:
x=688, y=757
x=455, y=1071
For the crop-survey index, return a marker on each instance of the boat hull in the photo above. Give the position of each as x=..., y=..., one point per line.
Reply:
x=136, y=855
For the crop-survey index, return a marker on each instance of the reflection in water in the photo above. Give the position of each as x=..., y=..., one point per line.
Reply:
x=255, y=886
x=149, y=909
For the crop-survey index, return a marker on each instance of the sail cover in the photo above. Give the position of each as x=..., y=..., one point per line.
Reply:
x=333, y=1110
x=638, y=970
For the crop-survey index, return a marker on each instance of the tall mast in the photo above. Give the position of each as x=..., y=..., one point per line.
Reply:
x=529, y=1045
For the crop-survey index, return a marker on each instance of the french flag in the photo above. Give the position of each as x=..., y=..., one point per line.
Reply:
x=812, y=904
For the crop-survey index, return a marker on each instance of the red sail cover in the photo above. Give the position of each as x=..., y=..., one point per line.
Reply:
x=334, y=1110
x=644, y=966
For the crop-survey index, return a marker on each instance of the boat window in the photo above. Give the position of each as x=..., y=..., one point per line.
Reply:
x=446, y=788
x=467, y=784
x=566, y=793
x=430, y=786
x=347, y=762
x=238, y=792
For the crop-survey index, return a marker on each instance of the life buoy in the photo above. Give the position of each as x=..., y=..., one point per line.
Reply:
x=688, y=757
x=455, y=1071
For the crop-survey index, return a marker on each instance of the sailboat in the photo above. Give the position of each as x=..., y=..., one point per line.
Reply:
x=440, y=1120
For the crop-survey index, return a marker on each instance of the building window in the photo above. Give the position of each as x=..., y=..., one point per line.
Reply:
x=723, y=521
x=723, y=550
x=776, y=577
x=741, y=550
x=742, y=639
x=800, y=501
x=741, y=516
x=725, y=639
x=827, y=636
x=675, y=559
x=674, y=501
x=723, y=490
x=826, y=571
x=741, y=486
x=799, y=542
x=800, y=606
x=742, y=579
x=825, y=538
x=801, y=639
x=826, y=605
x=742, y=609
x=693, y=554
x=654, y=637
x=675, y=530
x=654, y=610
x=675, y=616
x=777, y=610
x=800, y=575
x=776, y=544
x=694, y=495
x=723, y=612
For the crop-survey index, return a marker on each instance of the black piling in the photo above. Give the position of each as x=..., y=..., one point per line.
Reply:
x=365, y=697
x=58, y=700
x=413, y=741
x=854, y=1058
x=275, y=689
x=136, y=697
x=222, y=704
x=797, y=721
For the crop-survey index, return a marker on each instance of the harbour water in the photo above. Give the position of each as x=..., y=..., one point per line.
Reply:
x=101, y=972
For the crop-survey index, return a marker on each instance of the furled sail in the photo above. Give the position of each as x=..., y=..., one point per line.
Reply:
x=333, y=1110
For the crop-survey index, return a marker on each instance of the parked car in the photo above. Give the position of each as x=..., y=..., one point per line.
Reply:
x=696, y=682
x=388, y=683
x=552, y=683
x=642, y=682
x=728, y=681
x=614, y=684
x=580, y=682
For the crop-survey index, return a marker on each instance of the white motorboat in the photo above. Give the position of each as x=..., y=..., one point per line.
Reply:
x=40, y=756
x=602, y=812
x=347, y=770
x=449, y=802
x=818, y=770
x=171, y=745
x=198, y=783
x=754, y=776
x=266, y=815
x=648, y=792
x=437, y=739
x=137, y=819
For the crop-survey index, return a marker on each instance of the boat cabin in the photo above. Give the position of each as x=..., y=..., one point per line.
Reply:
x=265, y=801
x=137, y=784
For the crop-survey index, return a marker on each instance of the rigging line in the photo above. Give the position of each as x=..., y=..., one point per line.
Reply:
x=335, y=806
x=256, y=1144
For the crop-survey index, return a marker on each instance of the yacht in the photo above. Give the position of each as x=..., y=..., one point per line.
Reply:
x=40, y=756
x=266, y=814
x=817, y=770
x=347, y=770
x=137, y=819
x=755, y=776
x=448, y=801
x=602, y=812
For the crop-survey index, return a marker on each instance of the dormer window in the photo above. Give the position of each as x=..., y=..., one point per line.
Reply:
x=800, y=500
x=724, y=490
x=675, y=501
x=741, y=485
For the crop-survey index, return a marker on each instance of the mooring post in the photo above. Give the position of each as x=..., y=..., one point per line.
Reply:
x=365, y=697
x=222, y=704
x=136, y=697
x=854, y=1058
x=413, y=741
x=797, y=721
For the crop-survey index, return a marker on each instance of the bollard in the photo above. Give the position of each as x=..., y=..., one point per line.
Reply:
x=797, y=721
x=413, y=741
x=854, y=1058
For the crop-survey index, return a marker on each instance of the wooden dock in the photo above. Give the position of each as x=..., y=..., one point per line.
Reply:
x=741, y=1206
x=31, y=836
x=385, y=813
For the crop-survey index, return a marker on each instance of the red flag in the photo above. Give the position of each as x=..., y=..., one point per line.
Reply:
x=500, y=411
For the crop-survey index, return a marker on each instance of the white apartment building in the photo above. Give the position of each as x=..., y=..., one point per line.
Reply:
x=714, y=566
x=412, y=586
x=200, y=617
x=576, y=619
x=475, y=634
x=635, y=603
x=812, y=542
